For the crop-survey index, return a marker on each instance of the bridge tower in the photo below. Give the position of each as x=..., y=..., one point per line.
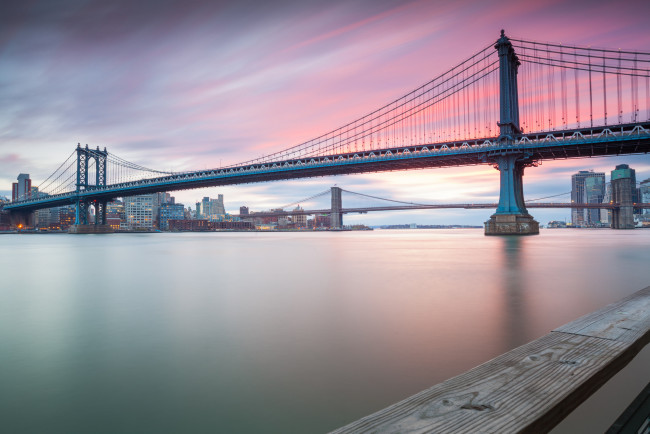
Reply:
x=99, y=159
x=511, y=217
x=336, y=218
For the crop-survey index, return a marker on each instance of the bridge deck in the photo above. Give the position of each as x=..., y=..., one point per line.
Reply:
x=581, y=143
x=531, y=388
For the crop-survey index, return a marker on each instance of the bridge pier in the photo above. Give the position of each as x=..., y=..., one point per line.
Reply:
x=81, y=224
x=511, y=217
x=81, y=213
x=336, y=218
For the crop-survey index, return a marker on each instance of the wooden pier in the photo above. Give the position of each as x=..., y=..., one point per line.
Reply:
x=531, y=388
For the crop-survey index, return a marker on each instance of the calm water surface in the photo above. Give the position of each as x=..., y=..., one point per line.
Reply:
x=286, y=332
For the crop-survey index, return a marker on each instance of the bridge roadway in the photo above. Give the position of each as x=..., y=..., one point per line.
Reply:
x=535, y=147
x=363, y=210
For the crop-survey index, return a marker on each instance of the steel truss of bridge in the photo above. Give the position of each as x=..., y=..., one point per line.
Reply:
x=536, y=147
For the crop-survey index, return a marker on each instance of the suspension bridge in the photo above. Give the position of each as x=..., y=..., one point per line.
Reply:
x=336, y=210
x=512, y=105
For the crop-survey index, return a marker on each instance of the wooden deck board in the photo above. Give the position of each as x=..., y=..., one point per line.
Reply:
x=623, y=321
x=530, y=388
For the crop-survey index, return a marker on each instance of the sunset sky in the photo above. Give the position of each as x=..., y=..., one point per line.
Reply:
x=197, y=84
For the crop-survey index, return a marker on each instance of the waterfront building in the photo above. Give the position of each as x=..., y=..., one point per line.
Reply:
x=243, y=210
x=113, y=221
x=138, y=211
x=606, y=214
x=322, y=221
x=587, y=186
x=206, y=225
x=644, y=195
x=22, y=189
x=115, y=215
x=300, y=220
x=594, y=193
x=115, y=207
x=624, y=191
x=171, y=211
x=67, y=216
x=5, y=220
x=205, y=208
x=211, y=209
x=46, y=218
x=159, y=199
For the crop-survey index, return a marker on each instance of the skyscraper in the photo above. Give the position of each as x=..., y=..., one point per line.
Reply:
x=606, y=214
x=211, y=209
x=587, y=186
x=21, y=190
x=171, y=211
x=138, y=211
x=644, y=192
x=624, y=192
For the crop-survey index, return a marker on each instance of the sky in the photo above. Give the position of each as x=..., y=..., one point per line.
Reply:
x=188, y=85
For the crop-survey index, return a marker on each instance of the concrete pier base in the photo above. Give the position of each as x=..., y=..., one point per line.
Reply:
x=511, y=224
x=90, y=229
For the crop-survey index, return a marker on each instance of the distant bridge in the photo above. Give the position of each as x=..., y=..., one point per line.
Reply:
x=364, y=210
x=335, y=210
x=482, y=111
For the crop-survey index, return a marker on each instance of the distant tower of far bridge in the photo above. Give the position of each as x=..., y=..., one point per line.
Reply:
x=336, y=218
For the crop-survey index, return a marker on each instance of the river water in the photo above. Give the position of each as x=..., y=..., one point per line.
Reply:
x=286, y=332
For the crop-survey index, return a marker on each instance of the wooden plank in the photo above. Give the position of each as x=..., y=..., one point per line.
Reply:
x=530, y=388
x=622, y=321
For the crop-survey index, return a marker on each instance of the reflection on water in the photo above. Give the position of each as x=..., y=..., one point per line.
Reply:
x=514, y=291
x=280, y=332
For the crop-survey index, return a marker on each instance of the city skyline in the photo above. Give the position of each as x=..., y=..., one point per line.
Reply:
x=203, y=85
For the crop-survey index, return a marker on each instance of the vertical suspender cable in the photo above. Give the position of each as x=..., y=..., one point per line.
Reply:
x=618, y=89
x=551, y=86
x=604, y=91
x=591, y=100
x=647, y=96
x=577, y=91
x=635, y=94
x=564, y=90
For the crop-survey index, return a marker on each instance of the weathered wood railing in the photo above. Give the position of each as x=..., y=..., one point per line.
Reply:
x=531, y=388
